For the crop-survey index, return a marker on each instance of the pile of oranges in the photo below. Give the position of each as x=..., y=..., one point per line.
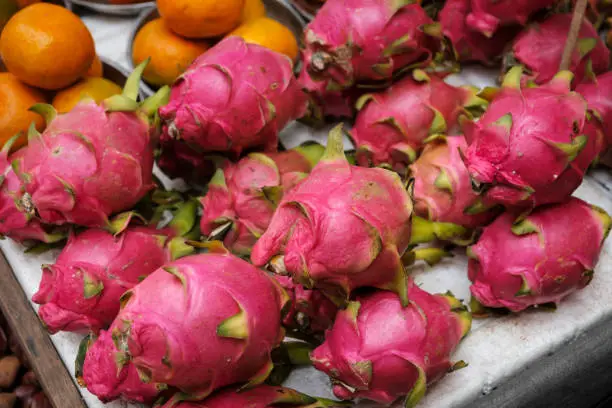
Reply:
x=187, y=28
x=50, y=57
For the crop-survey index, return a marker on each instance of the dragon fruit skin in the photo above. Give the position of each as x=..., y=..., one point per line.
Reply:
x=598, y=94
x=263, y=396
x=179, y=160
x=81, y=291
x=311, y=312
x=544, y=126
x=245, y=194
x=107, y=382
x=376, y=40
x=199, y=323
x=15, y=222
x=469, y=45
x=392, y=126
x=342, y=228
x=381, y=351
x=539, y=49
x=557, y=255
x=487, y=16
x=241, y=76
x=443, y=188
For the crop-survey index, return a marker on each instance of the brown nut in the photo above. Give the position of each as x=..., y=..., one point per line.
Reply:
x=9, y=367
x=7, y=400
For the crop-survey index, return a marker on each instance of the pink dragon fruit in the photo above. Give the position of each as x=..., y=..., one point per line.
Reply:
x=311, y=312
x=242, y=197
x=91, y=162
x=557, y=255
x=529, y=148
x=198, y=324
x=598, y=94
x=263, y=396
x=376, y=40
x=442, y=186
x=178, y=160
x=15, y=222
x=239, y=77
x=392, y=126
x=540, y=46
x=470, y=45
x=487, y=16
x=342, y=228
x=105, y=380
x=81, y=291
x=382, y=351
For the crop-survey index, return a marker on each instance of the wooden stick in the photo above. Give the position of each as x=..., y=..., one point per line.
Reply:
x=53, y=376
x=572, y=36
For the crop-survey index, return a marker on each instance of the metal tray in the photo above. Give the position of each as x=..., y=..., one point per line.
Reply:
x=305, y=8
x=105, y=7
x=275, y=9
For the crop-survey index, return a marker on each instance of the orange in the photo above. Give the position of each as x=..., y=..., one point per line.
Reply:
x=94, y=88
x=95, y=69
x=24, y=3
x=271, y=34
x=170, y=54
x=201, y=18
x=15, y=99
x=47, y=46
x=253, y=9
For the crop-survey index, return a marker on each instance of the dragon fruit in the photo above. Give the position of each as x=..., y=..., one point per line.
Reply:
x=487, y=16
x=598, y=94
x=238, y=76
x=557, y=255
x=470, y=45
x=242, y=197
x=15, y=222
x=264, y=396
x=91, y=162
x=372, y=42
x=197, y=324
x=311, y=312
x=382, y=351
x=392, y=126
x=178, y=160
x=540, y=46
x=81, y=291
x=343, y=228
x=442, y=186
x=529, y=148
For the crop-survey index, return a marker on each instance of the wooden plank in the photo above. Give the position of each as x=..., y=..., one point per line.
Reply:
x=55, y=379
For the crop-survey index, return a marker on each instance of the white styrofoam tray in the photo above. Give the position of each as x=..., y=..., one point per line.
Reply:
x=496, y=349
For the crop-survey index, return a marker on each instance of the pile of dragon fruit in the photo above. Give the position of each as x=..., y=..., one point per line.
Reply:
x=187, y=299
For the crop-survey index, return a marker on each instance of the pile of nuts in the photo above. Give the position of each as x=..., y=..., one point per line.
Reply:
x=19, y=387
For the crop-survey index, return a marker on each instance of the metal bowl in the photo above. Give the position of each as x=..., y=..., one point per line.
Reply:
x=306, y=8
x=105, y=7
x=275, y=9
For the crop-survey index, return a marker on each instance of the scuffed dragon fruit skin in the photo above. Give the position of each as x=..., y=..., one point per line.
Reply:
x=234, y=97
x=15, y=222
x=382, y=351
x=87, y=165
x=540, y=259
x=376, y=40
x=598, y=94
x=526, y=127
x=198, y=324
x=488, y=16
x=392, y=126
x=243, y=196
x=311, y=312
x=442, y=186
x=106, y=381
x=177, y=159
x=81, y=291
x=342, y=228
x=263, y=396
x=470, y=45
x=539, y=49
